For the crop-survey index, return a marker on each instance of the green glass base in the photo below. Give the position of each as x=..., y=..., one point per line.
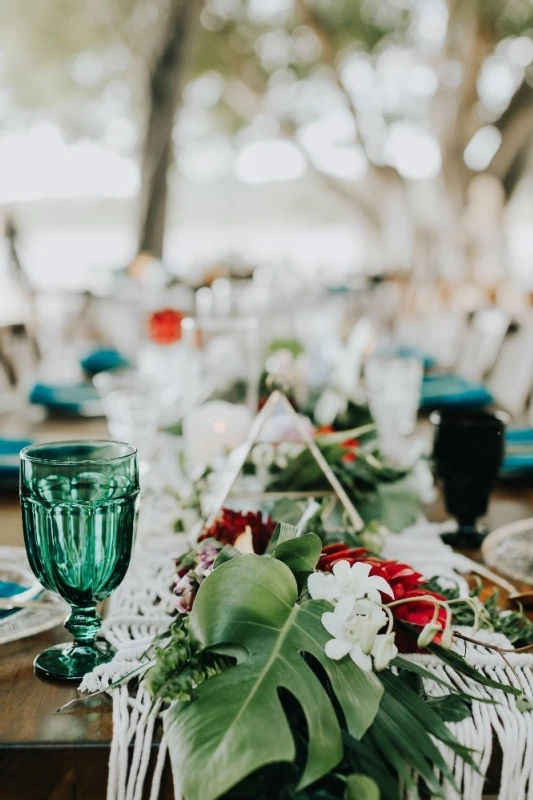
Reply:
x=70, y=662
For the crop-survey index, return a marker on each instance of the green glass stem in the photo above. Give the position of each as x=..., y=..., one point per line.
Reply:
x=84, y=624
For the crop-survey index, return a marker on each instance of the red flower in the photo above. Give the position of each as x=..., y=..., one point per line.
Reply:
x=404, y=581
x=230, y=524
x=164, y=326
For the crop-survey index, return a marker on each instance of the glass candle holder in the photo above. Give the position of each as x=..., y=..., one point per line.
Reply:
x=79, y=513
x=131, y=404
x=221, y=377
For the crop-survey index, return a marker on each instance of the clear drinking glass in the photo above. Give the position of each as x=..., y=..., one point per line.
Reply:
x=221, y=378
x=132, y=407
x=393, y=389
x=79, y=513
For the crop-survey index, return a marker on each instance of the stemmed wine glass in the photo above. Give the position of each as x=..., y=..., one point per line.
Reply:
x=468, y=448
x=79, y=513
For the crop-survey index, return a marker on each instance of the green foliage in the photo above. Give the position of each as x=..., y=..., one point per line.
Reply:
x=379, y=491
x=512, y=624
x=247, y=608
x=180, y=666
x=361, y=787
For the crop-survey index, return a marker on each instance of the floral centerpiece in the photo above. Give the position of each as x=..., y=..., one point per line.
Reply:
x=283, y=672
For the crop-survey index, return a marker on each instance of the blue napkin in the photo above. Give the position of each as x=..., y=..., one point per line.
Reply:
x=103, y=360
x=451, y=391
x=10, y=461
x=519, y=451
x=8, y=589
x=76, y=398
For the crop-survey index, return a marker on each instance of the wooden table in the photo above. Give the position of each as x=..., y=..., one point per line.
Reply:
x=45, y=755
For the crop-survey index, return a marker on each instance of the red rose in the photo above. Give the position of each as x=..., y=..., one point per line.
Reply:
x=164, y=326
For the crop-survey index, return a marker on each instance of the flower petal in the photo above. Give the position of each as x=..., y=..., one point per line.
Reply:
x=345, y=607
x=317, y=584
x=361, y=571
x=341, y=570
x=359, y=658
x=337, y=648
x=334, y=624
x=381, y=585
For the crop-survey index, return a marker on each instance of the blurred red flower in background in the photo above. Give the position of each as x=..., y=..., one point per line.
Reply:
x=164, y=326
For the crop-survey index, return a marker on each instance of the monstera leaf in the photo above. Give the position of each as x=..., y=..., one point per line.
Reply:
x=236, y=724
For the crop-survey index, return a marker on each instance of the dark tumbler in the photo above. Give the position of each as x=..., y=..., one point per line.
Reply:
x=468, y=448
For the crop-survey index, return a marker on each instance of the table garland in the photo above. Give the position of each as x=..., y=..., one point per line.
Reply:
x=337, y=730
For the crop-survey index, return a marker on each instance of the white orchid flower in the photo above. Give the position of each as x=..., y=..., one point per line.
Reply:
x=344, y=627
x=357, y=581
x=383, y=651
x=354, y=626
x=348, y=581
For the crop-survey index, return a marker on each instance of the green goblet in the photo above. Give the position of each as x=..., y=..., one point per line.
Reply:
x=79, y=513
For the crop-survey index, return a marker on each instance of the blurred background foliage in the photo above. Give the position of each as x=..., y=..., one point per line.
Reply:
x=413, y=116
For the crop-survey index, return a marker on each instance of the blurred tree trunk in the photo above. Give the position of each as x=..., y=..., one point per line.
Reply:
x=164, y=93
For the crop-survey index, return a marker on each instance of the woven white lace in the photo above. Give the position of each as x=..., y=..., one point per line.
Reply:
x=142, y=607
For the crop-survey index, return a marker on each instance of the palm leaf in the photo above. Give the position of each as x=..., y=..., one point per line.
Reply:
x=237, y=724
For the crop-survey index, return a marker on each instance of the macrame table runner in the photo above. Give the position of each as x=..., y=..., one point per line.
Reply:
x=142, y=608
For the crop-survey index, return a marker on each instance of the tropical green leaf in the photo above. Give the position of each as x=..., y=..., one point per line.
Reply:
x=283, y=532
x=247, y=608
x=361, y=787
x=412, y=666
x=393, y=504
x=450, y=708
x=301, y=555
x=226, y=554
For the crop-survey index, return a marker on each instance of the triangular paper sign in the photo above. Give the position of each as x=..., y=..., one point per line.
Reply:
x=276, y=399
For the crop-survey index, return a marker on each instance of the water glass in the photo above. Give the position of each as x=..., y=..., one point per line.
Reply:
x=132, y=408
x=393, y=388
x=221, y=379
x=79, y=514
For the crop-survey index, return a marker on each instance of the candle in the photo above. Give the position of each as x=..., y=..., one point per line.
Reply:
x=213, y=429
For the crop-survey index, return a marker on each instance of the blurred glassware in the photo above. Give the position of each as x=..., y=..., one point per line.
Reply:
x=132, y=408
x=221, y=377
x=393, y=390
x=468, y=448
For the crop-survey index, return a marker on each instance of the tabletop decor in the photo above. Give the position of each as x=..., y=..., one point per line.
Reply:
x=144, y=626
x=79, y=512
x=239, y=667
